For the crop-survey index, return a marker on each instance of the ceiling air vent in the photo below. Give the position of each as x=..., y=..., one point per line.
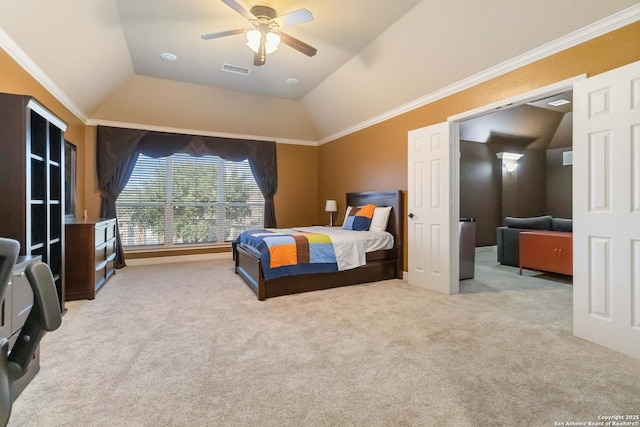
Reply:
x=235, y=69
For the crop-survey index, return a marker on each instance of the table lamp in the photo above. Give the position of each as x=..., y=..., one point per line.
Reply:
x=331, y=206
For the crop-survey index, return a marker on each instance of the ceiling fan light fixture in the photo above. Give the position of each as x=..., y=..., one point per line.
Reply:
x=271, y=43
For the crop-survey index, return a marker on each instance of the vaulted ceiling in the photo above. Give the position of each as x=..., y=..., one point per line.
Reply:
x=102, y=58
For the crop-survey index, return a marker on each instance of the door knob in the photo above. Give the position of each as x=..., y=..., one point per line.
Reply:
x=411, y=215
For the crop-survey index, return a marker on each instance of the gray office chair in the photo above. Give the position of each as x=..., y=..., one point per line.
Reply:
x=44, y=316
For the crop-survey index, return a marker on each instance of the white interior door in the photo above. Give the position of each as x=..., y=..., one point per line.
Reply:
x=606, y=211
x=429, y=209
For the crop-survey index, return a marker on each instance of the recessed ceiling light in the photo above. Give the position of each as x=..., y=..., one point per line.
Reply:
x=168, y=56
x=292, y=80
x=559, y=102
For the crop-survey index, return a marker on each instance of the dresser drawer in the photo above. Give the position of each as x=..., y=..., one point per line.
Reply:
x=99, y=276
x=110, y=248
x=101, y=235
x=110, y=229
x=101, y=253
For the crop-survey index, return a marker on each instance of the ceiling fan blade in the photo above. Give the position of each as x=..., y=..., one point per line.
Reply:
x=219, y=34
x=233, y=4
x=293, y=18
x=297, y=44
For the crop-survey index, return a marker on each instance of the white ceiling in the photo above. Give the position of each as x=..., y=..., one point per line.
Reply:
x=102, y=57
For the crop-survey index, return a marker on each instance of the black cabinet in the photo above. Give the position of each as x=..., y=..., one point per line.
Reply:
x=32, y=191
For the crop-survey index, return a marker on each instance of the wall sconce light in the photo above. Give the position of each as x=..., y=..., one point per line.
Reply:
x=331, y=206
x=509, y=160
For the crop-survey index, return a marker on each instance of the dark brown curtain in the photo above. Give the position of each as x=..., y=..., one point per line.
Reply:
x=116, y=156
x=118, y=150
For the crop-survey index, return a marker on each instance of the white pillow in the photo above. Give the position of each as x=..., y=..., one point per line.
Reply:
x=380, y=218
x=346, y=214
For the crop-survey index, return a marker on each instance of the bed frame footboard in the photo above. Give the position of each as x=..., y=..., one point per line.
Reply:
x=248, y=267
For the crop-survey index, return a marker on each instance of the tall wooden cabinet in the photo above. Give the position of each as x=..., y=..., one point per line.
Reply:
x=32, y=191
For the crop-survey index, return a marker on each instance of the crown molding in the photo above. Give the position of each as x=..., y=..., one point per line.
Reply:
x=606, y=25
x=155, y=128
x=18, y=55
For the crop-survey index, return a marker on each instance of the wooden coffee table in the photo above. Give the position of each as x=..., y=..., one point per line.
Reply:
x=547, y=251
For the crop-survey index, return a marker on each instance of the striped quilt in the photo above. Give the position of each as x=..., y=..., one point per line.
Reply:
x=285, y=252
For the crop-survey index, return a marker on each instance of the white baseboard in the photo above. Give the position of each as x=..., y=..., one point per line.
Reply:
x=178, y=258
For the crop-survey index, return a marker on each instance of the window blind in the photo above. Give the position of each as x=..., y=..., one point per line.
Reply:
x=186, y=200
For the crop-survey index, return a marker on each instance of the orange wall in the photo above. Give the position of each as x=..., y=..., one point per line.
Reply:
x=297, y=182
x=375, y=158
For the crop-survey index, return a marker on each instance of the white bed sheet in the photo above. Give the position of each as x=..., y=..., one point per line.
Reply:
x=351, y=247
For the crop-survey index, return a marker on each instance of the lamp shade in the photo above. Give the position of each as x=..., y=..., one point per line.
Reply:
x=331, y=206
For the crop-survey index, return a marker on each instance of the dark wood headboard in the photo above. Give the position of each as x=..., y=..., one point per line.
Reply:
x=385, y=198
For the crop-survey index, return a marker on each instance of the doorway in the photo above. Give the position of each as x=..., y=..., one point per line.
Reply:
x=434, y=152
x=524, y=124
x=434, y=208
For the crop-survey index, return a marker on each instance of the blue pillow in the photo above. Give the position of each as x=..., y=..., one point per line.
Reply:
x=359, y=218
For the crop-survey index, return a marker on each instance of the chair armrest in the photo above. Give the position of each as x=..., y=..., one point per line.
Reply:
x=508, y=242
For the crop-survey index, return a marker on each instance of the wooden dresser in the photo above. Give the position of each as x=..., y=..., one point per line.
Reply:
x=90, y=256
x=547, y=251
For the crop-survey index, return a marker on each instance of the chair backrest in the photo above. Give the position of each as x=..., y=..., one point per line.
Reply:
x=45, y=295
x=44, y=316
x=9, y=250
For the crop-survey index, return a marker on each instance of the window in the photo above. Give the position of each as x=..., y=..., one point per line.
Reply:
x=187, y=200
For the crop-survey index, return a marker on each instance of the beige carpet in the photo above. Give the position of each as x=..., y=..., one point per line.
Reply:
x=189, y=345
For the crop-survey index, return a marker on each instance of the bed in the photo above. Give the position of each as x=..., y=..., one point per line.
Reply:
x=380, y=264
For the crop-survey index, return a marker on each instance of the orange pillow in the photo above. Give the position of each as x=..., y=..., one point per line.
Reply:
x=359, y=218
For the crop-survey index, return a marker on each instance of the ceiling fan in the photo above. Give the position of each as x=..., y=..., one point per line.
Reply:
x=266, y=35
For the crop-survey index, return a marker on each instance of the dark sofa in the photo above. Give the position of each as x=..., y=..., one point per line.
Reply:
x=508, y=236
